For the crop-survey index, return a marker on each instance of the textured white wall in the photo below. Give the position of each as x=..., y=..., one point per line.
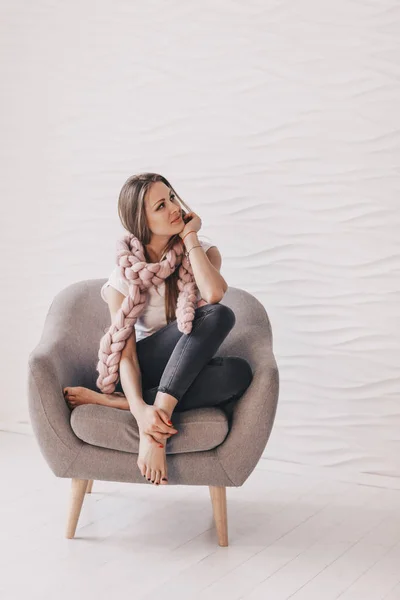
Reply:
x=279, y=123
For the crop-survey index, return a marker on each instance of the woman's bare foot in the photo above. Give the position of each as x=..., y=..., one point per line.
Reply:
x=81, y=395
x=152, y=461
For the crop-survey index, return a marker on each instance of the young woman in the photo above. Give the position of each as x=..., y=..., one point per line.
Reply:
x=162, y=369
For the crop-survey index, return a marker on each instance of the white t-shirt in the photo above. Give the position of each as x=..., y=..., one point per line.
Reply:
x=153, y=316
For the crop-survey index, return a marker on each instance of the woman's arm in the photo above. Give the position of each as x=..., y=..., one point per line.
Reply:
x=129, y=368
x=208, y=279
x=131, y=382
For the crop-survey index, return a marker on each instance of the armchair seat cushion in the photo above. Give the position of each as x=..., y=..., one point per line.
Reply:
x=198, y=429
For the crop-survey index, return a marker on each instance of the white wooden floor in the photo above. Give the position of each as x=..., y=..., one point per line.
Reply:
x=291, y=535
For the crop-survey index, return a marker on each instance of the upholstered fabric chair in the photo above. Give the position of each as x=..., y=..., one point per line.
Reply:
x=218, y=447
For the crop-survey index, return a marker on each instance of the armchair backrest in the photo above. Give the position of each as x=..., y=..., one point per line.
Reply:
x=78, y=317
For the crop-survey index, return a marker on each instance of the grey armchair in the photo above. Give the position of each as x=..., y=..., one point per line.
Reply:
x=218, y=447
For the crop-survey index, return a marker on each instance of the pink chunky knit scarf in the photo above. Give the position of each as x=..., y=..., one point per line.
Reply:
x=140, y=276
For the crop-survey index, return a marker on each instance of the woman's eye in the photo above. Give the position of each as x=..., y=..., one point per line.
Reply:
x=172, y=197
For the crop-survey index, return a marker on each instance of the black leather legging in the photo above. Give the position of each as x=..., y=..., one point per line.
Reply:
x=186, y=366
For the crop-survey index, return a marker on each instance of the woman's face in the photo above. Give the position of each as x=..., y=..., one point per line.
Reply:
x=161, y=208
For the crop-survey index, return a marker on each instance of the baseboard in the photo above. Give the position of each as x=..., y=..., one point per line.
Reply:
x=21, y=427
x=332, y=473
x=268, y=464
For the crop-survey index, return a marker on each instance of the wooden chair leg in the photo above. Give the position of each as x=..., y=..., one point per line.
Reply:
x=218, y=499
x=78, y=489
x=89, y=486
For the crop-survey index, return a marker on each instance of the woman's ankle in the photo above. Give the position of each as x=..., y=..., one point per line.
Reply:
x=115, y=401
x=166, y=402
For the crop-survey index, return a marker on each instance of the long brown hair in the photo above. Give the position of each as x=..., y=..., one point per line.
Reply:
x=131, y=211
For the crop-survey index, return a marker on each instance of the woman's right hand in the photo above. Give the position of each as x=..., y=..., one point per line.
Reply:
x=153, y=421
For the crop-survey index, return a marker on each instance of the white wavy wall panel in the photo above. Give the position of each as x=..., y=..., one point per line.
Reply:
x=279, y=123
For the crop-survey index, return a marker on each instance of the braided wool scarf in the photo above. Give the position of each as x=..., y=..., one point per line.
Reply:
x=140, y=276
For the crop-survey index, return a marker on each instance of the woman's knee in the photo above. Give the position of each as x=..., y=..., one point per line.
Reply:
x=223, y=313
x=240, y=372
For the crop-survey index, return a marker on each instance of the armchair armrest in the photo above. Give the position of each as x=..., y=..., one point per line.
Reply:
x=252, y=418
x=48, y=373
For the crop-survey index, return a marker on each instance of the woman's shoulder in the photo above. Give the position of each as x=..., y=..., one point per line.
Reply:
x=117, y=281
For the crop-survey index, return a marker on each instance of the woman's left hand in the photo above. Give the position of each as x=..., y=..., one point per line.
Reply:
x=194, y=224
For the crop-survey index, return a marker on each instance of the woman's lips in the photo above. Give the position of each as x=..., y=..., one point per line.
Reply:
x=176, y=220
